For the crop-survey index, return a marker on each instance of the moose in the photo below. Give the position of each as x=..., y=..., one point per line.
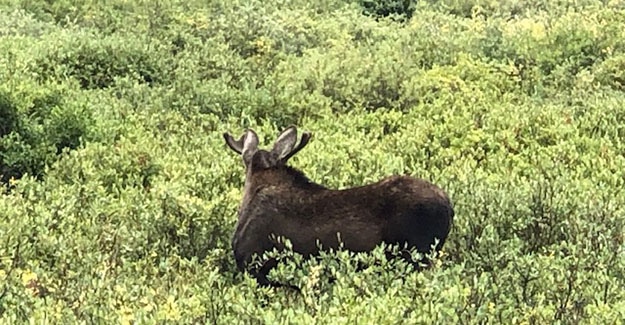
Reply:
x=280, y=201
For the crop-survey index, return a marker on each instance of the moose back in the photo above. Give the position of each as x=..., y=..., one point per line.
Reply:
x=279, y=200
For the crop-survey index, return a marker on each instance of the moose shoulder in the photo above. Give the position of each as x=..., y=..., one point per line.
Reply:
x=279, y=200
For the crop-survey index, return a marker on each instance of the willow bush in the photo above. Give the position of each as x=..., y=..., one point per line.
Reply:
x=119, y=197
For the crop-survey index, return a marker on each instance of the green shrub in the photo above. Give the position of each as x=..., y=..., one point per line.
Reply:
x=97, y=63
x=8, y=115
x=385, y=8
x=40, y=124
x=19, y=22
x=610, y=72
x=123, y=197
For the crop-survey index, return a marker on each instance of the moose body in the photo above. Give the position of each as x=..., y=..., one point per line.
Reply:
x=279, y=200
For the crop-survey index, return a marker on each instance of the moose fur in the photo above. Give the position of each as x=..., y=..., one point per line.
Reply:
x=279, y=200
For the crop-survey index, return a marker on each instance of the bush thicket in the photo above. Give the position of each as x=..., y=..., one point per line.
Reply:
x=119, y=197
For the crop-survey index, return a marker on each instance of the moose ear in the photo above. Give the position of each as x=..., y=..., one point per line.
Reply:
x=250, y=144
x=246, y=145
x=302, y=143
x=285, y=148
x=236, y=145
x=285, y=143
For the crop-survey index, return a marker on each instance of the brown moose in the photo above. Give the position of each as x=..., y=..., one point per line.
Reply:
x=279, y=200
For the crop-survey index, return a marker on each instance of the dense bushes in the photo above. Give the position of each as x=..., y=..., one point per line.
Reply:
x=121, y=196
x=38, y=123
x=96, y=63
x=403, y=9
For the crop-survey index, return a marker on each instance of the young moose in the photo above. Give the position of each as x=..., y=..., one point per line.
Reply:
x=279, y=200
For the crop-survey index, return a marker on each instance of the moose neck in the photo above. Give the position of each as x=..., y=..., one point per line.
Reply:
x=281, y=176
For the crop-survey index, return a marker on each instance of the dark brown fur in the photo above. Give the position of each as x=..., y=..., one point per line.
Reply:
x=280, y=200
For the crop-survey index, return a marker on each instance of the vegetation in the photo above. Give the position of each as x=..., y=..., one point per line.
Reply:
x=119, y=196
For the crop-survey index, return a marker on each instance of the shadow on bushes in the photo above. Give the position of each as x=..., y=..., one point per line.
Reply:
x=37, y=126
x=96, y=64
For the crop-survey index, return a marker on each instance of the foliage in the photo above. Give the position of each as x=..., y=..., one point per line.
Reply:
x=38, y=123
x=121, y=197
x=385, y=8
